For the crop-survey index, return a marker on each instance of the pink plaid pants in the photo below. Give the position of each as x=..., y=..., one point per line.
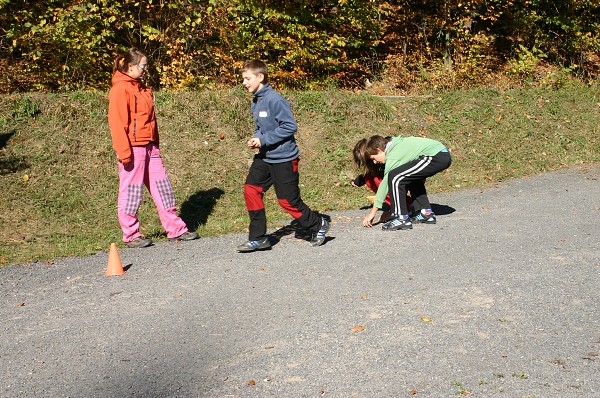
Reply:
x=146, y=168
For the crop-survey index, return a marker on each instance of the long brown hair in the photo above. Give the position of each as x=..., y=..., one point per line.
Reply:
x=363, y=162
x=133, y=56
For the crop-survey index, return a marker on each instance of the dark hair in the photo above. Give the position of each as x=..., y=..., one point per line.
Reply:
x=133, y=56
x=374, y=143
x=255, y=66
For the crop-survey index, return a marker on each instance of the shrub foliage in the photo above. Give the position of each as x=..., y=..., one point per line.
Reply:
x=64, y=45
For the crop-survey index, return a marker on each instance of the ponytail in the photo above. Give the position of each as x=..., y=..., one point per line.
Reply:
x=119, y=64
x=131, y=57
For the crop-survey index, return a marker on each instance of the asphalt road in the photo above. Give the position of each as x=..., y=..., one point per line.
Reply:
x=499, y=299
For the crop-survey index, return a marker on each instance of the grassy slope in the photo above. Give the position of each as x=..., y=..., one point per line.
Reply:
x=58, y=177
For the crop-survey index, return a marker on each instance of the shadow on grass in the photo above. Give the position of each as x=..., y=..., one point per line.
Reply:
x=4, y=137
x=8, y=163
x=196, y=209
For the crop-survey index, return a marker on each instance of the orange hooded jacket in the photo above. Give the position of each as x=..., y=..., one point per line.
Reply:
x=130, y=115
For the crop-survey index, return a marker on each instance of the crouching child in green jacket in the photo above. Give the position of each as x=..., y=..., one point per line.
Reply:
x=408, y=162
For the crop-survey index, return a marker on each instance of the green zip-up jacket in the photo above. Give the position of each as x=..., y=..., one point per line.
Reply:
x=402, y=150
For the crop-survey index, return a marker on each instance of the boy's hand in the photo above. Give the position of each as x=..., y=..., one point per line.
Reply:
x=254, y=143
x=368, y=220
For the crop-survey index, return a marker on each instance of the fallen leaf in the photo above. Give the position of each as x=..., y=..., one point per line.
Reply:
x=251, y=383
x=262, y=269
x=413, y=392
x=357, y=329
x=364, y=296
x=25, y=178
x=21, y=305
x=425, y=319
x=221, y=136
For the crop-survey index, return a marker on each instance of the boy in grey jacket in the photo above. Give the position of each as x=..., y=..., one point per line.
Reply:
x=276, y=162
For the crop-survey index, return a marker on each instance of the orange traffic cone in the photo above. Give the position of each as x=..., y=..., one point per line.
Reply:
x=115, y=267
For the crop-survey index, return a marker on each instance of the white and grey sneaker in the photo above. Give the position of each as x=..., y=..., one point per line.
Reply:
x=254, y=245
x=318, y=238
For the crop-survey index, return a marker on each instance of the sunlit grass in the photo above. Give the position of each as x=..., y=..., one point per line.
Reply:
x=58, y=173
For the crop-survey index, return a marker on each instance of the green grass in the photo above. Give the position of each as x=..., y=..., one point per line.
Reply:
x=58, y=172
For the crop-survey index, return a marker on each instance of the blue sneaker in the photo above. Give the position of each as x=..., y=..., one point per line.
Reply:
x=421, y=218
x=318, y=238
x=254, y=245
x=396, y=223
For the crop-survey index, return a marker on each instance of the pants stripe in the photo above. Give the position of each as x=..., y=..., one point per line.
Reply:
x=423, y=163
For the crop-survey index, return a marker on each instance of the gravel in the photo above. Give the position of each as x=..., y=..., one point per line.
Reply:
x=499, y=299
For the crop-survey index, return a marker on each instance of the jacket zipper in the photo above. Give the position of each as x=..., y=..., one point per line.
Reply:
x=135, y=120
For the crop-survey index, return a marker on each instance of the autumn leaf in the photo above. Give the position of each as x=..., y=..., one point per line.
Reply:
x=413, y=392
x=364, y=296
x=25, y=178
x=357, y=329
x=251, y=383
x=426, y=319
x=221, y=136
x=21, y=305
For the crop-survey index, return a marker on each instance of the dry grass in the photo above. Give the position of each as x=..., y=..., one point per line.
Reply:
x=58, y=173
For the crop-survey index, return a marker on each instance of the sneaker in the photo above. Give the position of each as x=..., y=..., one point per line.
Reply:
x=318, y=238
x=424, y=219
x=140, y=241
x=397, y=223
x=185, y=236
x=253, y=245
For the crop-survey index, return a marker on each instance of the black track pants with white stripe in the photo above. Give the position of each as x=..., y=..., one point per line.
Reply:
x=411, y=176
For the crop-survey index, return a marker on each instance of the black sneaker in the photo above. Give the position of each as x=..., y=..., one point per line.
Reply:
x=138, y=242
x=421, y=218
x=318, y=238
x=185, y=236
x=253, y=245
x=397, y=223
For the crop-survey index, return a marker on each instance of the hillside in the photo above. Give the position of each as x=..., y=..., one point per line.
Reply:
x=58, y=173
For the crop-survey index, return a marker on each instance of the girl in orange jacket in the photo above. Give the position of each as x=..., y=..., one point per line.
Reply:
x=135, y=140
